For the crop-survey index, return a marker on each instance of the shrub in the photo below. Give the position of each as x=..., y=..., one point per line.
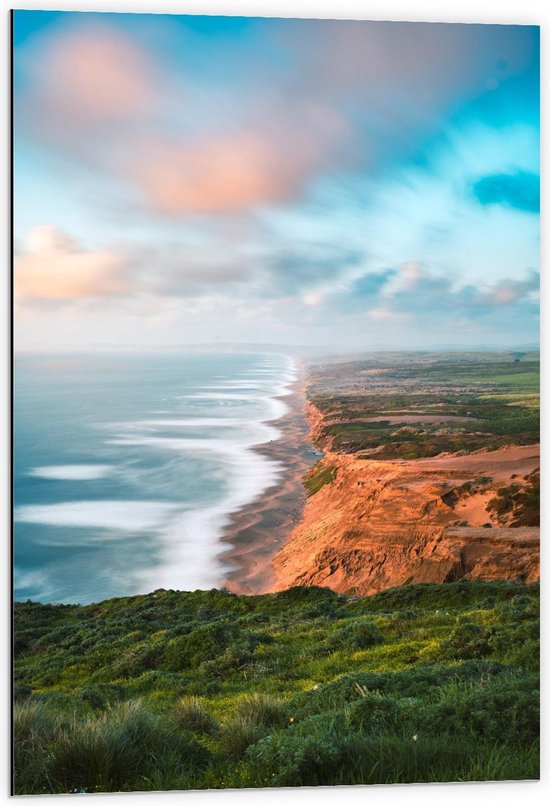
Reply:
x=202, y=644
x=137, y=660
x=409, y=683
x=501, y=709
x=469, y=640
x=360, y=634
x=519, y=608
x=518, y=644
x=287, y=758
x=306, y=602
x=374, y=713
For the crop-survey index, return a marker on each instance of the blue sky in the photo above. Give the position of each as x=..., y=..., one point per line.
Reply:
x=188, y=179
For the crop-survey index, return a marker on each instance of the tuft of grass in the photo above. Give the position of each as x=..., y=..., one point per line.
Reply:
x=238, y=734
x=192, y=713
x=263, y=709
x=318, y=476
x=114, y=751
x=255, y=714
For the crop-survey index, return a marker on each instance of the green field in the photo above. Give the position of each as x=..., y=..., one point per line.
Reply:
x=495, y=394
x=180, y=690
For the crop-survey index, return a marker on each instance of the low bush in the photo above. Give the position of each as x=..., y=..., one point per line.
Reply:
x=374, y=714
x=469, y=640
x=291, y=759
x=423, y=679
x=200, y=645
x=360, y=634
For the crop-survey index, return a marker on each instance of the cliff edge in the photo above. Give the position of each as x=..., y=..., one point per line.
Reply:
x=371, y=523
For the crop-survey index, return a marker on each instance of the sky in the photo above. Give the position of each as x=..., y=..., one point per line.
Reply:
x=356, y=185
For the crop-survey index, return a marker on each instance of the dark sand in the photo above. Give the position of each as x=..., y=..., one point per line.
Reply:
x=259, y=530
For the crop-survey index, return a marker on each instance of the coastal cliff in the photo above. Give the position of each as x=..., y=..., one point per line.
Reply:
x=371, y=524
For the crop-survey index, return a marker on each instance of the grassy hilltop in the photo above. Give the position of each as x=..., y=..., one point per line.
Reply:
x=177, y=690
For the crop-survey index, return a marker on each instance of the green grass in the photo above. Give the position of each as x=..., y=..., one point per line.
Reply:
x=177, y=690
x=317, y=477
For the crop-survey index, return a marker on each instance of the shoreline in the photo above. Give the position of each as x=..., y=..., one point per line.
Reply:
x=260, y=529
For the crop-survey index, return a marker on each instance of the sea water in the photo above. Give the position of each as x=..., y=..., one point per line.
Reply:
x=127, y=468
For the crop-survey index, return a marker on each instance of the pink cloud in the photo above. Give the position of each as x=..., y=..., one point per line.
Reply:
x=90, y=76
x=508, y=291
x=55, y=267
x=375, y=58
x=98, y=95
x=216, y=175
x=232, y=172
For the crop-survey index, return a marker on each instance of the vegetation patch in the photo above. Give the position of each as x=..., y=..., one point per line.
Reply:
x=494, y=398
x=318, y=476
x=206, y=689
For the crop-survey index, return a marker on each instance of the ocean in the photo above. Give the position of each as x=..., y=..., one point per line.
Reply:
x=127, y=468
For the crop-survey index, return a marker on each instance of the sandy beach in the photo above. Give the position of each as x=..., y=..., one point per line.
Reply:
x=259, y=530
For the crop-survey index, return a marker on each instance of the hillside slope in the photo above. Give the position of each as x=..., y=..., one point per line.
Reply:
x=176, y=690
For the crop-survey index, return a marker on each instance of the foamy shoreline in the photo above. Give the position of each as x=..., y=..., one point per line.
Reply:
x=200, y=560
x=260, y=528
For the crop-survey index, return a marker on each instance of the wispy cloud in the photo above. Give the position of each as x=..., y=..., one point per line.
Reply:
x=428, y=292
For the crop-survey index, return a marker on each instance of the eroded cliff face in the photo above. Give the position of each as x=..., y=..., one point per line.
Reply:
x=378, y=524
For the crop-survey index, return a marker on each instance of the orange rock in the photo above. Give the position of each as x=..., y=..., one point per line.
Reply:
x=384, y=523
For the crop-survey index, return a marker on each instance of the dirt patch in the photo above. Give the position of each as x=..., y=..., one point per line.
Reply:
x=393, y=419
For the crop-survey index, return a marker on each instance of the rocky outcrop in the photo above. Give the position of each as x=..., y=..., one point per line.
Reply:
x=378, y=524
